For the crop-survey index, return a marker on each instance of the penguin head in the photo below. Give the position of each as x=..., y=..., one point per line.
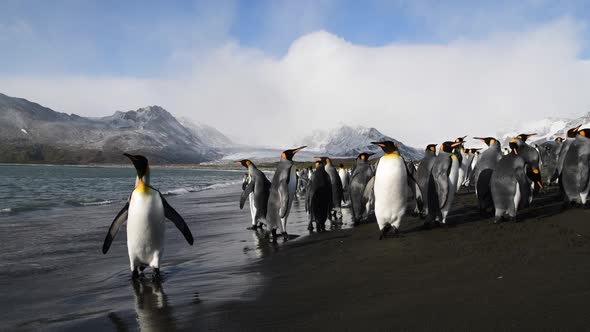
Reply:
x=387, y=146
x=288, y=154
x=431, y=147
x=325, y=160
x=141, y=164
x=365, y=156
x=559, y=139
x=460, y=139
x=524, y=137
x=535, y=176
x=584, y=132
x=318, y=163
x=571, y=133
x=245, y=162
x=448, y=146
x=473, y=150
x=488, y=140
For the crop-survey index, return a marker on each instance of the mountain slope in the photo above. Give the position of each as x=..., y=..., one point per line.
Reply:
x=546, y=129
x=347, y=141
x=33, y=133
x=208, y=135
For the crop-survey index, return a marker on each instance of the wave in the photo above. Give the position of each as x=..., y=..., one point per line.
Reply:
x=186, y=190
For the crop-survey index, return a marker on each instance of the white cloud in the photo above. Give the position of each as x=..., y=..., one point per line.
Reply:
x=418, y=93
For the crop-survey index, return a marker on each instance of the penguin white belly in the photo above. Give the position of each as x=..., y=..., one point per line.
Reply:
x=517, y=198
x=453, y=178
x=292, y=187
x=145, y=228
x=252, y=208
x=460, y=178
x=390, y=191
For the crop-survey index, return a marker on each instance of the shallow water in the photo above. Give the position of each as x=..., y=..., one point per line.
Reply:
x=53, y=275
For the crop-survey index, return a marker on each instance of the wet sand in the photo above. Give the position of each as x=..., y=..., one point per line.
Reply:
x=474, y=275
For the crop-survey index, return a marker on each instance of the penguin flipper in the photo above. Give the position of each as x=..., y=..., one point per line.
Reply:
x=247, y=191
x=284, y=200
x=442, y=187
x=115, y=225
x=177, y=219
x=410, y=175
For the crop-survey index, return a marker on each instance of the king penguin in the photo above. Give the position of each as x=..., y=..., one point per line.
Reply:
x=549, y=154
x=443, y=182
x=282, y=193
x=570, y=137
x=482, y=173
x=510, y=187
x=336, y=190
x=423, y=175
x=318, y=200
x=531, y=157
x=390, y=189
x=361, y=174
x=345, y=179
x=257, y=192
x=145, y=213
x=575, y=175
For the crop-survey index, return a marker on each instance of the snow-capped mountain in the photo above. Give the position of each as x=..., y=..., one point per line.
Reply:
x=208, y=135
x=347, y=141
x=546, y=129
x=30, y=132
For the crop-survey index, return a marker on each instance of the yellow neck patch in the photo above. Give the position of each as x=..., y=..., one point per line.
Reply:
x=394, y=154
x=142, y=187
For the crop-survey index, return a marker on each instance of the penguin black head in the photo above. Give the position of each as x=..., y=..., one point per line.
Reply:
x=448, y=146
x=245, y=162
x=431, y=147
x=524, y=137
x=387, y=146
x=573, y=131
x=288, y=154
x=365, y=155
x=141, y=164
x=318, y=163
x=473, y=150
x=325, y=160
x=488, y=140
x=559, y=139
x=460, y=139
x=341, y=165
x=535, y=176
x=584, y=132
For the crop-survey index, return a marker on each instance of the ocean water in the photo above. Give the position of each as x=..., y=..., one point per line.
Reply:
x=41, y=187
x=54, y=277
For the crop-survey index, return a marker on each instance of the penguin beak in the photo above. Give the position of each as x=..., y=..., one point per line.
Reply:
x=456, y=144
x=577, y=127
x=140, y=164
x=299, y=149
x=381, y=144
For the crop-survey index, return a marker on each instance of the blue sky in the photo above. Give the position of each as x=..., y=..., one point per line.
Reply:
x=314, y=64
x=140, y=38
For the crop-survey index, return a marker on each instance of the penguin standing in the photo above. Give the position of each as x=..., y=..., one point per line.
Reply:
x=510, y=187
x=423, y=176
x=575, y=176
x=257, y=191
x=336, y=190
x=531, y=158
x=443, y=182
x=459, y=151
x=145, y=213
x=413, y=185
x=482, y=173
x=318, y=200
x=390, y=189
x=361, y=174
x=282, y=193
x=549, y=154
x=345, y=179
x=570, y=137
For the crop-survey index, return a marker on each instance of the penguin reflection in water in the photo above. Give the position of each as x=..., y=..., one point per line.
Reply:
x=510, y=187
x=145, y=213
x=390, y=188
x=282, y=194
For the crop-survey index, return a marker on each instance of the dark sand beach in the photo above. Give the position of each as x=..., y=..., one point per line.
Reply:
x=473, y=275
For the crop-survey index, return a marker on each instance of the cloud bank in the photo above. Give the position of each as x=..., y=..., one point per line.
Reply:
x=418, y=93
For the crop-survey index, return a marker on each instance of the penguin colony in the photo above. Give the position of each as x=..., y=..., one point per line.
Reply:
x=503, y=180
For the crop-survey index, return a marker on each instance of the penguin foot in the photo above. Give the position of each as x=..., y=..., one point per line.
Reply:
x=285, y=236
x=497, y=220
x=385, y=231
x=274, y=235
x=135, y=274
x=156, y=276
x=310, y=228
